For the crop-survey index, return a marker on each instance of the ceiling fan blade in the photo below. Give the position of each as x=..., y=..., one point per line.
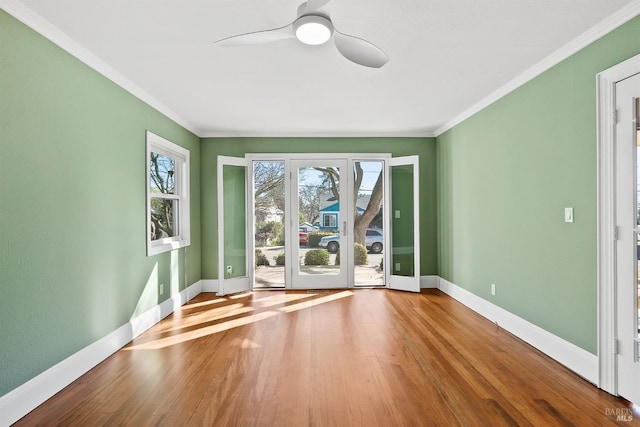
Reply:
x=312, y=6
x=257, y=37
x=359, y=50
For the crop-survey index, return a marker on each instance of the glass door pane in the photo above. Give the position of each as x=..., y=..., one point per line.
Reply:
x=319, y=230
x=270, y=231
x=233, y=274
x=402, y=221
x=368, y=226
x=235, y=220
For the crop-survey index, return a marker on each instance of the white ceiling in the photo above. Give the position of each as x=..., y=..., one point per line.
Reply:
x=446, y=56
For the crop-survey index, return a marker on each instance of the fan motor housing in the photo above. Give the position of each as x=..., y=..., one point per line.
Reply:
x=313, y=29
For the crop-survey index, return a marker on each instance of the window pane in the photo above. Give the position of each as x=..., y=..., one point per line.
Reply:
x=162, y=174
x=164, y=218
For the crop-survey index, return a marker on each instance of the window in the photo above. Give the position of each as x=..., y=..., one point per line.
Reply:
x=330, y=220
x=167, y=195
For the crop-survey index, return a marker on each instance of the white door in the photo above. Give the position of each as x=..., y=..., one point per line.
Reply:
x=403, y=260
x=323, y=182
x=627, y=196
x=234, y=274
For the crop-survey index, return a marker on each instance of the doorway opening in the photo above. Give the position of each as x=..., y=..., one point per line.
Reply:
x=317, y=196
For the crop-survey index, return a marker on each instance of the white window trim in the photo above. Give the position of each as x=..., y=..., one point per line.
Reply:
x=328, y=216
x=157, y=144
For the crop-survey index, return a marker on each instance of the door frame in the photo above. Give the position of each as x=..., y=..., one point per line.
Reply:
x=350, y=157
x=606, y=136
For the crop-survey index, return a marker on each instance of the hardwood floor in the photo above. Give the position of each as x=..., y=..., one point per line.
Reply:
x=341, y=358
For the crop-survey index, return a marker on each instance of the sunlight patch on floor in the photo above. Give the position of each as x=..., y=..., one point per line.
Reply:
x=234, y=323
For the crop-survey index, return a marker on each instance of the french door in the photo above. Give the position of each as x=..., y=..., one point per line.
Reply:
x=404, y=273
x=627, y=197
x=344, y=220
x=327, y=180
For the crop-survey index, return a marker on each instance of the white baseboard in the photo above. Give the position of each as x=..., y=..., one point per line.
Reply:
x=570, y=355
x=22, y=400
x=162, y=310
x=210, y=285
x=429, y=282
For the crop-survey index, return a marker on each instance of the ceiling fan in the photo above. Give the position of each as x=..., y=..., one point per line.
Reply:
x=313, y=26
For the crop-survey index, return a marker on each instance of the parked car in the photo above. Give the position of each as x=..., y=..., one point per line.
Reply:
x=303, y=238
x=373, y=240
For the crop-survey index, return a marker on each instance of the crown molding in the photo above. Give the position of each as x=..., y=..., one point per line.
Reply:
x=37, y=23
x=585, y=39
x=319, y=134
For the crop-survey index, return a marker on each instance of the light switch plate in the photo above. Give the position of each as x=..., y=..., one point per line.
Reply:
x=396, y=214
x=568, y=214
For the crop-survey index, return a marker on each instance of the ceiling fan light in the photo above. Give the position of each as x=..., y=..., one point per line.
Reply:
x=313, y=29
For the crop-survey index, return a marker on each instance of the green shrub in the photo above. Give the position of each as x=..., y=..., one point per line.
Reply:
x=359, y=255
x=314, y=238
x=279, y=258
x=261, y=259
x=316, y=257
x=267, y=231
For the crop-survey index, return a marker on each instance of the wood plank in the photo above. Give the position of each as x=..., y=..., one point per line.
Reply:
x=364, y=357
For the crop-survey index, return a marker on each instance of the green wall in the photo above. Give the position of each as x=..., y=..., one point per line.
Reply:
x=423, y=147
x=505, y=176
x=73, y=264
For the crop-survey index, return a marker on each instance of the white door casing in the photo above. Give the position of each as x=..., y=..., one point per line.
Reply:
x=607, y=226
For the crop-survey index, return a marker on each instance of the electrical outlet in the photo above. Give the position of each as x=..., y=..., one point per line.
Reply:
x=229, y=269
x=397, y=266
x=161, y=288
x=493, y=289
